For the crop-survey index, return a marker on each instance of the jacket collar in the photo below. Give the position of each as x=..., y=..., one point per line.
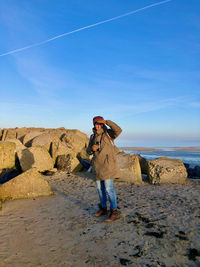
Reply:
x=99, y=132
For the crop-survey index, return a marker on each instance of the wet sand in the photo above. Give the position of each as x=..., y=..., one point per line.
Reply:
x=159, y=225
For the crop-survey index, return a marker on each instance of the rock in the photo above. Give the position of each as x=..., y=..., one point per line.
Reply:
x=187, y=166
x=26, y=185
x=8, y=161
x=165, y=170
x=50, y=172
x=84, y=155
x=68, y=163
x=37, y=157
x=194, y=172
x=19, y=148
x=27, y=140
x=18, y=143
x=10, y=134
x=3, y=136
x=7, y=155
x=75, y=141
x=44, y=140
x=143, y=164
x=59, y=132
x=21, y=132
x=130, y=170
x=1, y=133
x=197, y=171
x=18, y=133
x=79, y=133
x=58, y=148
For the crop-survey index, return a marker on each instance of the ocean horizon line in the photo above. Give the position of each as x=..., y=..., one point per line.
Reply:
x=160, y=148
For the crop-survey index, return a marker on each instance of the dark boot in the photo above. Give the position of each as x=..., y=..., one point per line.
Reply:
x=113, y=216
x=101, y=212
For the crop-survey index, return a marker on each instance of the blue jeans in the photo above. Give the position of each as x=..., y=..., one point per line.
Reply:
x=104, y=189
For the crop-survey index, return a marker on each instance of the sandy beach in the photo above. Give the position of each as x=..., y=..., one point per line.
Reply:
x=159, y=225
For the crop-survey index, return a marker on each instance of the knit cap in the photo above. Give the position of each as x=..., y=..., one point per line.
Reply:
x=97, y=118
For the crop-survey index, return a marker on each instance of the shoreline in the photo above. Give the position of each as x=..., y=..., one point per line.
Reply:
x=160, y=148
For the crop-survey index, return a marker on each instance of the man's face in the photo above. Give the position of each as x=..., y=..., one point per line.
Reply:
x=98, y=126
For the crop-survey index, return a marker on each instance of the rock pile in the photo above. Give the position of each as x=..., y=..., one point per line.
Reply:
x=25, y=153
x=37, y=150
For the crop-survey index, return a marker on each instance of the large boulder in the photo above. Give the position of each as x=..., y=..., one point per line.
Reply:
x=74, y=141
x=58, y=148
x=27, y=140
x=79, y=133
x=18, y=143
x=37, y=157
x=18, y=149
x=7, y=155
x=130, y=170
x=68, y=163
x=3, y=135
x=26, y=185
x=143, y=164
x=21, y=132
x=165, y=170
x=10, y=134
x=43, y=139
x=193, y=172
x=59, y=132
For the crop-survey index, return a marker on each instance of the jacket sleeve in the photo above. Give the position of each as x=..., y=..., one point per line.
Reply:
x=89, y=148
x=114, y=130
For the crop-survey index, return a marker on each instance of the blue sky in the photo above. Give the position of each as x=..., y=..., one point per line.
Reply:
x=141, y=71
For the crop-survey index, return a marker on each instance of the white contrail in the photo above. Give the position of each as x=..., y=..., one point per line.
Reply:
x=83, y=28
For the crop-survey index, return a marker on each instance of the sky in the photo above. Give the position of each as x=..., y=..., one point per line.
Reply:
x=141, y=71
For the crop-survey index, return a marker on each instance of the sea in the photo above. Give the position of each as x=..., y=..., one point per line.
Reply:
x=190, y=157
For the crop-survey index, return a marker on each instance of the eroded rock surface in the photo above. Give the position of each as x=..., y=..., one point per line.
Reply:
x=74, y=140
x=7, y=155
x=165, y=170
x=58, y=148
x=68, y=163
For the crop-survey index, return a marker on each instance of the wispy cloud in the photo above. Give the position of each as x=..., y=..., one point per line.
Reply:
x=159, y=75
x=44, y=78
x=84, y=28
x=195, y=105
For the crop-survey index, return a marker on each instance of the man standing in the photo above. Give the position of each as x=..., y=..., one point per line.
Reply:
x=104, y=163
